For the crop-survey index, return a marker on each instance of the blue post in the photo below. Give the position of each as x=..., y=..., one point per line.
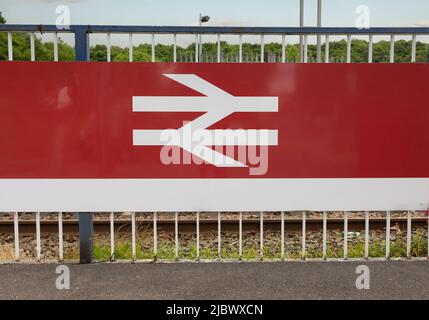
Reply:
x=81, y=43
x=86, y=227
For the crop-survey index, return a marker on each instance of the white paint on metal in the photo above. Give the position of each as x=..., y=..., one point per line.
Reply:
x=32, y=47
x=174, y=47
x=349, y=48
x=366, y=234
x=282, y=232
x=60, y=237
x=240, y=48
x=176, y=235
x=283, y=48
x=218, y=48
x=196, y=48
x=301, y=24
x=55, y=46
x=327, y=49
x=112, y=236
x=153, y=47
x=387, y=234
x=409, y=234
x=219, y=236
x=303, y=235
x=240, y=236
x=155, y=235
x=319, y=37
x=346, y=232
x=370, y=48
x=198, y=235
x=413, y=48
x=16, y=234
x=109, y=55
x=133, y=234
x=305, y=48
x=9, y=46
x=130, y=46
x=262, y=48
x=261, y=235
x=105, y=195
x=38, y=241
x=324, y=234
x=392, y=48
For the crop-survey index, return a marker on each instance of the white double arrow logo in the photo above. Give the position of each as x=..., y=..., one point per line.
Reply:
x=217, y=105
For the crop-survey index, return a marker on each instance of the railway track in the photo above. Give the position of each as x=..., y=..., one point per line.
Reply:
x=206, y=225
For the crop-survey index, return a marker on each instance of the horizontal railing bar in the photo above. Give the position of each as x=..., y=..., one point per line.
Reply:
x=218, y=30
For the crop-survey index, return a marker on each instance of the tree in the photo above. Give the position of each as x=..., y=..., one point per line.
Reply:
x=2, y=20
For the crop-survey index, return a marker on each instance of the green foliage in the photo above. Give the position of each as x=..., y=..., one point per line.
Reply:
x=2, y=19
x=229, y=52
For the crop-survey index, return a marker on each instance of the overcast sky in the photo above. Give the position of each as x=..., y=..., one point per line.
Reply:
x=222, y=12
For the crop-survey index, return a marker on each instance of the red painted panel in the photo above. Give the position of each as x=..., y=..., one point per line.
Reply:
x=75, y=120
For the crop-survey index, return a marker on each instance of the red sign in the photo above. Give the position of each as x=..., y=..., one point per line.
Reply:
x=267, y=121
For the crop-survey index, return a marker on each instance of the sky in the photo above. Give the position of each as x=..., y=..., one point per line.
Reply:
x=222, y=12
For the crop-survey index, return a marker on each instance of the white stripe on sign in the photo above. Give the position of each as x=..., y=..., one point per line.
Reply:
x=100, y=195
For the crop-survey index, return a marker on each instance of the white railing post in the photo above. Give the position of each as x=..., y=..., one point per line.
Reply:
x=109, y=54
x=282, y=231
x=55, y=46
x=324, y=234
x=219, y=236
x=327, y=49
x=303, y=238
x=366, y=235
x=60, y=237
x=240, y=48
x=9, y=46
x=153, y=47
x=198, y=236
x=218, y=48
x=261, y=235
x=176, y=235
x=346, y=231
x=240, y=236
x=16, y=234
x=174, y=48
x=370, y=48
x=133, y=235
x=112, y=236
x=387, y=234
x=349, y=48
x=130, y=44
x=392, y=48
x=38, y=244
x=409, y=234
x=32, y=47
x=283, y=48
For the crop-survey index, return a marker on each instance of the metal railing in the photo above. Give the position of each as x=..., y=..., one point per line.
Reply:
x=284, y=242
x=82, y=32
x=81, y=40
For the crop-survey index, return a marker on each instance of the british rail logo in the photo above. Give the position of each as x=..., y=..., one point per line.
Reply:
x=233, y=148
